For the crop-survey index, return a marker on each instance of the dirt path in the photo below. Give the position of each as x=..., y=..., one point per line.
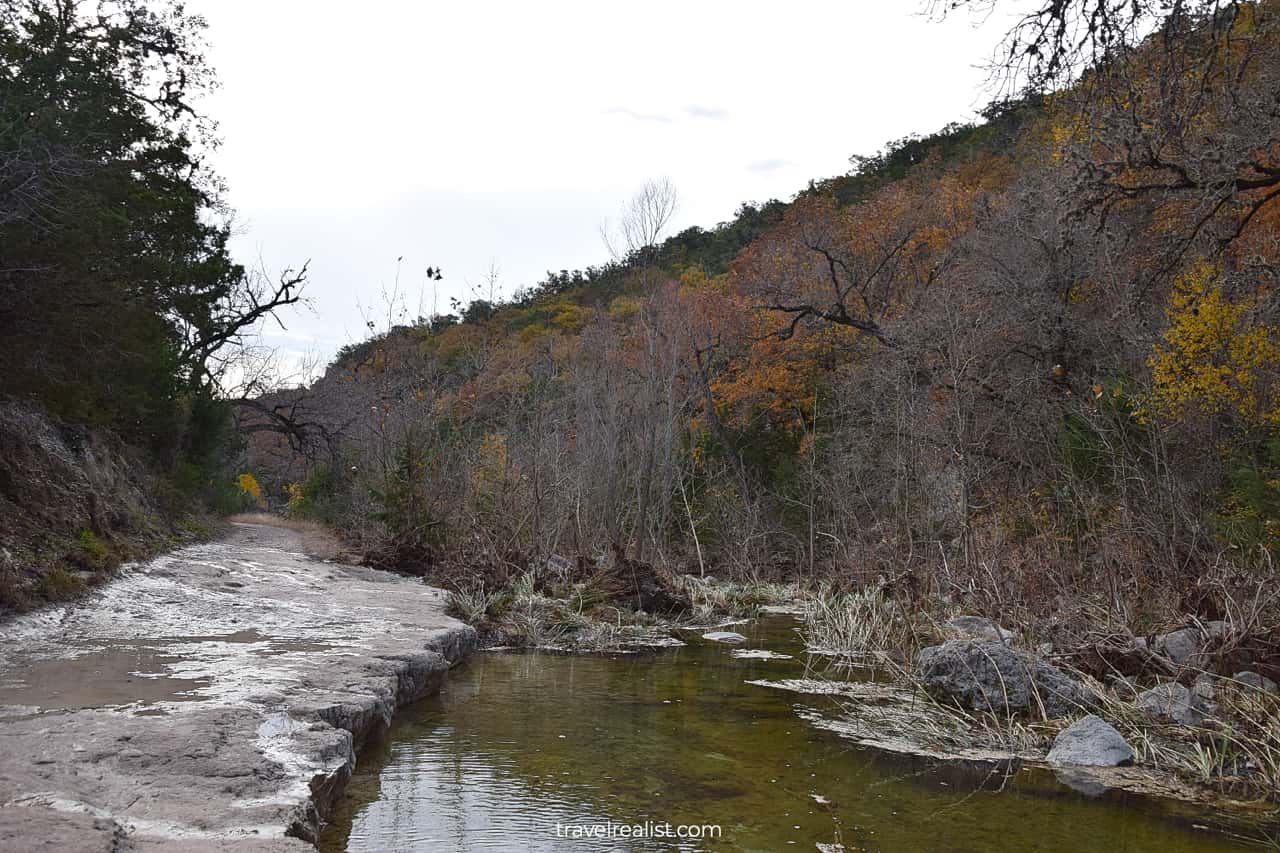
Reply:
x=212, y=699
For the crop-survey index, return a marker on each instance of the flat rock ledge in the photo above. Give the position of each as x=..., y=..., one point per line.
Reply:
x=211, y=700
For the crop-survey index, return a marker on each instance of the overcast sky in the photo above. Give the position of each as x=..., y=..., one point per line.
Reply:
x=467, y=133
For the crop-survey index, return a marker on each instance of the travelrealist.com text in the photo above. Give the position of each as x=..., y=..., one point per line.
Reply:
x=647, y=829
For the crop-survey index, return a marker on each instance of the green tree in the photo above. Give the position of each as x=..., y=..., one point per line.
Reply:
x=119, y=299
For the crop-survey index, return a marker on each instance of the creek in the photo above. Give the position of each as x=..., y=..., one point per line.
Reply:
x=519, y=742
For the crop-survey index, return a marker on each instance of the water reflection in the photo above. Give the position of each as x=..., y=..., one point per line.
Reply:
x=519, y=743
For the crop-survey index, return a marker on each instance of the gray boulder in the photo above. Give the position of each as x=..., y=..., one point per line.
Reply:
x=987, y=675
x=1171, y=701
x=978, y=628
x=1180, y=647
x=1217, y=629
x=1093, y=741
x=1203, y=692
x=724, y=637
x=1256, y=682
x=1185, y=647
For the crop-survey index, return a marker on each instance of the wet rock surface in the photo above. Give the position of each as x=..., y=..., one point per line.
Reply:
x=213, y=699
x=731, y=637
x=987, y=675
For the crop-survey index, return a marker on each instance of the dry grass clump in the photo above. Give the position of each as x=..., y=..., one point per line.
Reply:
x=1236, y=749
x=588, y=615
x=863, y=625
x=711, y=598
x=471, y=605
x=908, y=719
x=579, y=619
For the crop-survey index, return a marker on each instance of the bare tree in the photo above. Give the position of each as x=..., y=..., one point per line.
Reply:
x=859, y=266
x=644, y=219
x=1059, y=39
x=215, y=338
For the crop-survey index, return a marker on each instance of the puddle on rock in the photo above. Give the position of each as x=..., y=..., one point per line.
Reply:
x=127, y=675
x=135, y=673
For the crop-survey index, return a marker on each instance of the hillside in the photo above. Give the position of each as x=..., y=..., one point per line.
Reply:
x=1029, y=365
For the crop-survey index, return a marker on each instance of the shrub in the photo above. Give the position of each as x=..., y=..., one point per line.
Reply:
x=59, y=585
x=316, y=498
x=92, y=553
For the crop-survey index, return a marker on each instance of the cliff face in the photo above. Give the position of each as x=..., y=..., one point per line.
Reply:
x=74, y=503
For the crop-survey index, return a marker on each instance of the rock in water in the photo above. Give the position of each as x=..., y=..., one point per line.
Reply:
x=725, y=637
x=1093, y=741
x=1080, y=780
x=757, y=654
x=978, y=628
x=1171, y=701
x=987, y=675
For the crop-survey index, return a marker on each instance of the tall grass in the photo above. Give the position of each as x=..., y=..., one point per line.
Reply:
x=472, y=606
x=862, y=624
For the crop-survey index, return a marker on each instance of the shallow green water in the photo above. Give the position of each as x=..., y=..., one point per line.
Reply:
x=520, y=742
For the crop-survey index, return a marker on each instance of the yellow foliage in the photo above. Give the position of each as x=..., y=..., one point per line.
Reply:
x=531, y=333
x=1082, y=292
x=623, y=307
x=1213, y=358
x=570, y=317
x=1063, y=128
x=490, y=472
x=249, y=485
x=695, y=278
x=456, y=341
x=294, y=491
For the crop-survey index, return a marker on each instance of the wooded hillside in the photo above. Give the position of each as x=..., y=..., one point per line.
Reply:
x=1027, y=361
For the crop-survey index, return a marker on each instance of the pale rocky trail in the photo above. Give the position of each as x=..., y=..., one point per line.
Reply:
x=212, y=699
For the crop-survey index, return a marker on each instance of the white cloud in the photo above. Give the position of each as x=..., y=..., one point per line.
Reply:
x=700, y=111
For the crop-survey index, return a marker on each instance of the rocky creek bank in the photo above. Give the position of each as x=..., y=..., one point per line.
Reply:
x=212, y=699
x=1171, y=705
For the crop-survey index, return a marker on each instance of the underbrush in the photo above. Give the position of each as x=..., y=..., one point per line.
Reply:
x=1236, y=750
x=59, y=585
x=594, y=613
